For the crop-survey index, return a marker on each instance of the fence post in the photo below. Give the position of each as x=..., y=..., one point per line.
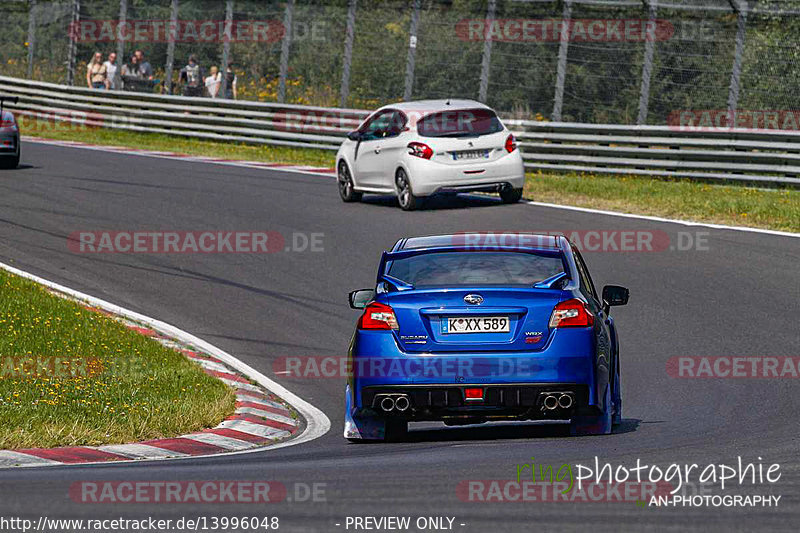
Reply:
x=31, y=35
x=72, y=48
x=486, y=62
x=173, y=28
x=647, y=67
x=740, y=6
x=226, y=48
x=287, y=41
x=348, y=52
x=563, y=48
x=412, y=52
x=123, y=18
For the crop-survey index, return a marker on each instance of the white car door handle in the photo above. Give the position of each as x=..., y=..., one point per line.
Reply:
x=377, y=149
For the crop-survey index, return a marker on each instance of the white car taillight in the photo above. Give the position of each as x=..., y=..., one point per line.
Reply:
x=420, y=150
x=511, y=143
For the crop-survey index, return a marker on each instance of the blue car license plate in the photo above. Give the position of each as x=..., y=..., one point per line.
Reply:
x=475, y=324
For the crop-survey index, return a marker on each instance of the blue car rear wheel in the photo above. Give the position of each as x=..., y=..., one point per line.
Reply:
x=599, y=424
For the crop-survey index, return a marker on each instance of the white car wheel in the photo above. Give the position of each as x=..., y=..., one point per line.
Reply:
x=405, y=195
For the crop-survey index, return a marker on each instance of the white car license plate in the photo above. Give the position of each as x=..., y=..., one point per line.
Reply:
x=470, y=154
x=475, y=324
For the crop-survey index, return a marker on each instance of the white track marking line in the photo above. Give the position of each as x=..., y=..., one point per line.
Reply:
x=317, y=423
x=170, y=344
x=300, y=169
x=268, y=403
x=239, y=385
x=220, y=440
x=265, y=414
x=211, y=365
x=661, y=219
x=140, y=451
x=10, y=458
x=254, y=429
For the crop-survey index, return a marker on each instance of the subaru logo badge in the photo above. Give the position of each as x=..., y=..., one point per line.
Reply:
x=473, y=299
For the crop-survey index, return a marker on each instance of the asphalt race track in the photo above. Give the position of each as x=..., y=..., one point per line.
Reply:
x=738, y=297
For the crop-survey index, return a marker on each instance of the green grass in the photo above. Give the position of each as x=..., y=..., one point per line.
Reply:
x=97, y=382
x=157, y=141
x=723, y=204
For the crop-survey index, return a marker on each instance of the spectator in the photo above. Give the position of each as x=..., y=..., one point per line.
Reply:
x=112, y=80
x=96, y=75
x=231, y=81
x=131, y=70
x=132, y=77
x=213, y=82
x=145, y=70
x=191, y=77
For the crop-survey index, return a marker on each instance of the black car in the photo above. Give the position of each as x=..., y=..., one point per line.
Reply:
x=9, y=135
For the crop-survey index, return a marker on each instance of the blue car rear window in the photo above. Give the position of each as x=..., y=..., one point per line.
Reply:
x=459, y=269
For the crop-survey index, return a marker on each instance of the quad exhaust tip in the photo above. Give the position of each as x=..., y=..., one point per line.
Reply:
x=550, y=402
x=397, y=402
x=402, y=403
x=556, y=400
x=387, y=403
x=565, y=401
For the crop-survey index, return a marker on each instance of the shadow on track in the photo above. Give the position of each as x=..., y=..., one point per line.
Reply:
x=21, y=166
x=506, y=432
x=439, y=201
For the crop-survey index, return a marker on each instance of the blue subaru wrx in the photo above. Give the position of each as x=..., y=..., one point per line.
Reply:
x=477, y=327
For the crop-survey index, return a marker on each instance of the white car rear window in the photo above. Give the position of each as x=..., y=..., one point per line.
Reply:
x=459, y=123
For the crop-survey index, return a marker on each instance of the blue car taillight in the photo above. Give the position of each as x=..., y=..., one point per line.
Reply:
x=378, y=316
x=571, y=313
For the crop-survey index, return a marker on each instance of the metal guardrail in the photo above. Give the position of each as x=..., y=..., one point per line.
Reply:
x=738, y=155
x=201, y=118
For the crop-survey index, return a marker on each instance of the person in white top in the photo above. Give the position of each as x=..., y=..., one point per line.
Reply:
x=112, y=81
x=213, y=82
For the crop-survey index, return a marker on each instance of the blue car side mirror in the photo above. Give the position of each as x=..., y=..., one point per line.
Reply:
x=360, y=298
x=614, y=295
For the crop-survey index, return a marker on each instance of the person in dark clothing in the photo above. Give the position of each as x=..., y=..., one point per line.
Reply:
x=230, y=83
x=191, y=78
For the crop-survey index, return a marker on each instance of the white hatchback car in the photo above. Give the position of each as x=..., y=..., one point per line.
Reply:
x=416, y=149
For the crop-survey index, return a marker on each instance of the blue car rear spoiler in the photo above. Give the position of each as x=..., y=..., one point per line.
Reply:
x=387, y=257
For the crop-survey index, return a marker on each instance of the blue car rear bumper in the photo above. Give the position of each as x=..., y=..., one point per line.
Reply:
x=511, y=381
